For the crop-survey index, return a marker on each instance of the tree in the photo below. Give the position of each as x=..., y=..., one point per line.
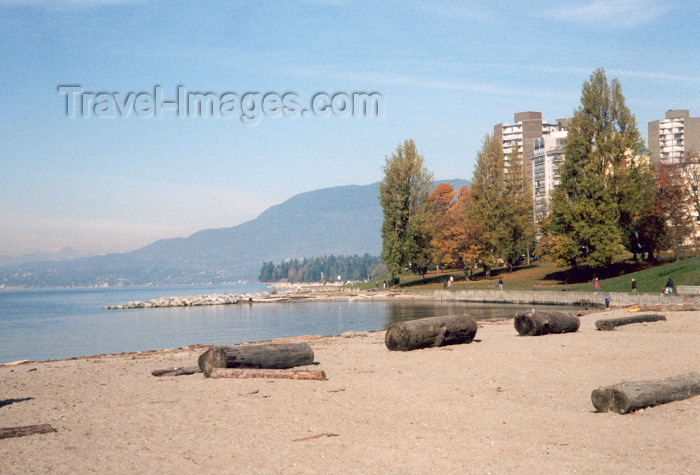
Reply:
x=639, y=221
x=519, y=223
x=673, y=207
x=487, y=207
x=402, y=194
x=457, y=240
x=586, y=206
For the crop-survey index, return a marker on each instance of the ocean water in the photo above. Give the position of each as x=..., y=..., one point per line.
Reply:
x=48, y=324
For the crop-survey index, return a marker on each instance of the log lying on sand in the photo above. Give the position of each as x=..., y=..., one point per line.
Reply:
x=544, y=323
x=430, y=332
x=274, y=356
x=313, y=374
x=630, y=395
x=176, y=371
x=21, y=431
x=611, y=323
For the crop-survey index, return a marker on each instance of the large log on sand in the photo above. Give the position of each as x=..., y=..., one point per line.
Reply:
x=545, y=323
x=430, y=332
x=611, y=323
x=630, y=395
x=274, y=356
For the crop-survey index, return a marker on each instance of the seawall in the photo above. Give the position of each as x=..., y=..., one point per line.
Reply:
x=619, y=299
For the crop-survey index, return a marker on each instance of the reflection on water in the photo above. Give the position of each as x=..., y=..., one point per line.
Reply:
x=53, y=324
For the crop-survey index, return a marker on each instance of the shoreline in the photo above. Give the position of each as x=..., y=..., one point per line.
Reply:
x=501, y=404
x=298, y=292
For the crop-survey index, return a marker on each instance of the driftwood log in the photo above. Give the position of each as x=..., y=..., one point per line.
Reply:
x=176, y=371
x=313, y=374
x=611, y=323
x=21, y=431
x=630, y=395
x=430, y=332
x=274, y=356
x=545, y=323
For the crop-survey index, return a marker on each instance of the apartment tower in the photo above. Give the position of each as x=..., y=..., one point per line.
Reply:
x=671, y=138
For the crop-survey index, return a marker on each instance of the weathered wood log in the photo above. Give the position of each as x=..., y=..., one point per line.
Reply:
x=21, y=431
x=275, y=356
x=176, y=371
x=430, y=332
x=266, y=373
x=545, y=323
x=630, y=395
x=611, y=323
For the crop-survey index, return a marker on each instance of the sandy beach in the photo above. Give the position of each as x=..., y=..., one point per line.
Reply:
x=501, y=404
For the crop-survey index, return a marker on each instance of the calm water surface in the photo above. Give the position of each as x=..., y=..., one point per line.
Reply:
x=62, y=323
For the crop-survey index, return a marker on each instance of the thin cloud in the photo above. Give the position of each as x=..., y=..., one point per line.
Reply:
x=610, y=13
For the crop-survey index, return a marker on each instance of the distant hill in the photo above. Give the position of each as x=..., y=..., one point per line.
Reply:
x=62, y=254
x=343, y=220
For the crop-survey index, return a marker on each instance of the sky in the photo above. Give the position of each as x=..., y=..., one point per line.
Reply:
x=99, y=153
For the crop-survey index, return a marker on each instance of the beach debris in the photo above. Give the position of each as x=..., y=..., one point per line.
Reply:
x=545, y=323
x=267, y=373
x=21, y=431
x=631, y=395
x=633, y=308
x=317, y=436
x=611, y=323
x=430, y=332
x=176, y=371
x=17, y=363
x=271, y=356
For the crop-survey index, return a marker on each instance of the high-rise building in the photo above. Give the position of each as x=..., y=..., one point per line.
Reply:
x=527, y=127
x=541, y=144
x=671, y=138
x=546, y=159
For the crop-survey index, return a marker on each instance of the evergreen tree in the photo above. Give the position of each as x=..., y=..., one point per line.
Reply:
x=402, y=195
x=586, y=206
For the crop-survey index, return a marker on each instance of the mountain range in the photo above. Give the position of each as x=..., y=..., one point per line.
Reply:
x=342, y=220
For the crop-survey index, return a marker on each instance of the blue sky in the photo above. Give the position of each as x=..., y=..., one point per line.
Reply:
x=447, y=72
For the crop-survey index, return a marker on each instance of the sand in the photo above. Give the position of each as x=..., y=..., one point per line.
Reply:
x=501, y=404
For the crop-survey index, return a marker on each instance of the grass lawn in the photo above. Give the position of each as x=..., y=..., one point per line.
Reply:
x=544, y=275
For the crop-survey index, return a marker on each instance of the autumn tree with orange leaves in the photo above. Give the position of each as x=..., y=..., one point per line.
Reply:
x=458, y=242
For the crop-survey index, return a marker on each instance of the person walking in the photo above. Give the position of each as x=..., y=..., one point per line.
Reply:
x=596, y=284
x=634, y=286
x=500, y=284
x=607, y=299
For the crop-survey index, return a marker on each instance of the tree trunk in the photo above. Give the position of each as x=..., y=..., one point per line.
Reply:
x=630, y=395
x=430, y=332
x=21, y=431
x=610, y=324
x=313, y=374
x=545, y=323
x=277, y=356
x=176, y=371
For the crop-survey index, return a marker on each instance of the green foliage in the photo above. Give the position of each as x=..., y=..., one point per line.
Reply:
x=518, y=217
x=402, y=195
x=587, y=208
x=320, y=268
x=501, y=204
x=487, y=206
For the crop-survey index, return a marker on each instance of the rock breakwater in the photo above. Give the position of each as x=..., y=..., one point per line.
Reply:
x=189, y=301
